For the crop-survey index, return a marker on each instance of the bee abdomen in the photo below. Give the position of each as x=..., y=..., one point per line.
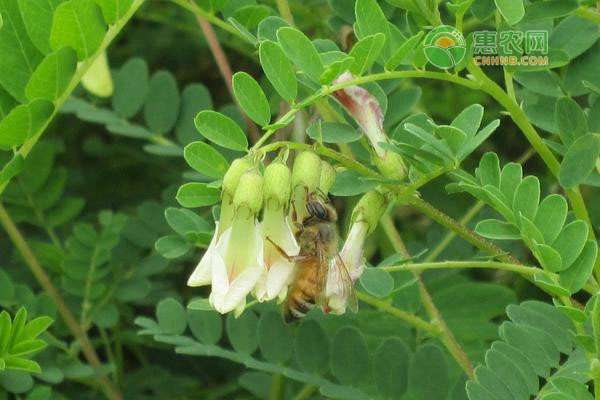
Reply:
x=300, y=301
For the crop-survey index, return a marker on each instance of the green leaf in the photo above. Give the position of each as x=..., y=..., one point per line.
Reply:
x=301, y=51
x=250, y=16
x=274, y=339
x=488, y=171
x=171, y=316
x=580, y=271
x=580, y=160
x=78, y=24
x=551, y=216
x=172, y=246
x=52, y=76
x=548, y=257
x=312, y=347
x=403, y=54
x=550, y=9
x=527, y=197
x=548, y=284
x=570, y=241
x=570, y=119
x=205, y=159
x=37, y=17
x=278, y=70
x=574, y=35
x=221, y=130
x=332, y=132
x=512, y=10
x=454, y=137
x=23, y=122
x=185, y=221
x=390, y=368
x=428, y=375
x=19, y=55
x=349, y=356
x=114, y=10
x=350, y=183
x=197, y=195
x=206, y=325
x=22, y=364
x=377, y=282
x=131, y=87
x=469, y=119
x=251, y=98
x=365, y=52
x=267, y=28
x=496, y=229
x=195, y=98
x=242, y=332
x=510, y=178
x=162, y=103
x=371, y=20
x=36, y=327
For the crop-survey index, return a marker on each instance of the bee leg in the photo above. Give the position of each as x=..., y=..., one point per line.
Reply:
x=281, y=251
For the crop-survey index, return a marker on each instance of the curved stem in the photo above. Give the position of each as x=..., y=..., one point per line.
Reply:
x=521, y=269
x=412, y=319
x=446, y=336
x=110, y=390
x=111, y=34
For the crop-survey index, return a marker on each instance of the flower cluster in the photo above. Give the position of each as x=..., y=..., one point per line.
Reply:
x=254, y=245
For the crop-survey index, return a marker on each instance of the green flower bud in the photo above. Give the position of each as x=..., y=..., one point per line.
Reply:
x=233, y=174
x=249, y=192
x=327, y=177
x=369, y=209
x=307, y=171
x=391, y=165
x=278, y=181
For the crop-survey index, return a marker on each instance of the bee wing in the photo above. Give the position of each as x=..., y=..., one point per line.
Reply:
x=322, y=269
x=346, y=285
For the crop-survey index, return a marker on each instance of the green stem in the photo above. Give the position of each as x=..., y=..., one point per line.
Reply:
x=111, y=34
x=199, y=12
x=521, y=120
x=410, y=318
x=446, y=336
x=418, y=267
x=276, y=389
x=306, y=392
x=110, y=390
x=284, y=9
x=445, y=242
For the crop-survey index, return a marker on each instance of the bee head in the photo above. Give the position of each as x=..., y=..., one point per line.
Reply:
x=320, y=209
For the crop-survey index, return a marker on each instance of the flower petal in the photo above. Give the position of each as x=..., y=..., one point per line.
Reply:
x=202, y=273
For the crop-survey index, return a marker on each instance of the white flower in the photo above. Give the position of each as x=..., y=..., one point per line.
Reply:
x=234, y=260
x=353, y=261
x=279, y=268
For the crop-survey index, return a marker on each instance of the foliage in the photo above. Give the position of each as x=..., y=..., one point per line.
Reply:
x=114, y=191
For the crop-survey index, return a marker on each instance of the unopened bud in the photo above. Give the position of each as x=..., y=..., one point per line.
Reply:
x=278, y=180
x=327, y=177
x=249, y=192
x=391, y=165
x=307, y=171
x=369, y=209
x=232, y=176
x=97, y=80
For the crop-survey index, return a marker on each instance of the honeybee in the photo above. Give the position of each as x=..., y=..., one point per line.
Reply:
x=317, y=262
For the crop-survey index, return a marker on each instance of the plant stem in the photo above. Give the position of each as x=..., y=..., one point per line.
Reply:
x=199, y=12
x=446, y=335
x=410, y=318
x=521, y=120
x=521, y=269
x=306, y=391
x=43, y=279
x=462, y=231
x=276, y=389
x=284, y=9
x=441, y=246
x=111, y=34
x=224, y=69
